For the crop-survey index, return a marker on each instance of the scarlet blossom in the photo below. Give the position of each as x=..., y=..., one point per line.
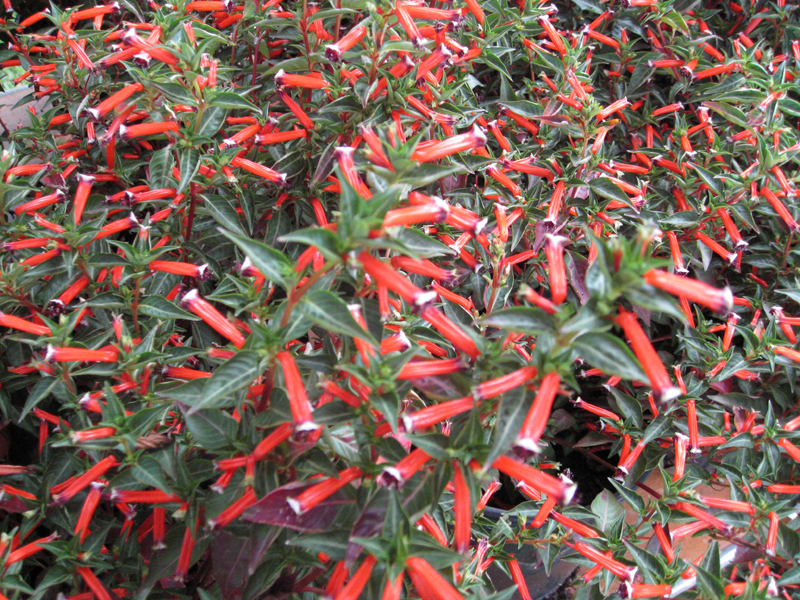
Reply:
x=429, y=583
x=463, y=511
x=542, y=482
x=319, y=492
x=98, y=589
x=212, y=317
x=663, y=390
x=295, y=389
x=20, y=324
x=66, y=354
x=410, y=464
x=720, y=301
x=334, y=52
x=533, y=426
x=475, y=138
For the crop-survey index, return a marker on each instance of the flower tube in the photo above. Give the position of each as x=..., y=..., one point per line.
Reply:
x=295, y=389
x=312, y=496
x=720, y=301
x=213, y=318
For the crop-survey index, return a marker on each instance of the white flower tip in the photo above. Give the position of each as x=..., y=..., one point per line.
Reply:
x=295, y=506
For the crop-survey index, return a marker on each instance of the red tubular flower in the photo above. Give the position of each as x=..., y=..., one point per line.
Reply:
x=398, y=342
x=664, y=541
x=501, y=385
x=295, y=389
x=283, y=79
x=143, y=497
x=433, y=415
x=23, y=325
x=417, y=369
x=39, y=203
x=612, y=108
x=298, y=112
x=311, y=497
x=93, y=583
x=81, y=195
x=384, y=274
x=622, y=571
x=597, y=410
x=772, y=534
x=490, y=491
x=463, y=511
x=28, y=550
x=458, y=143
x=87, y=511
x=79, y=483
x=234, y=510
x=544, y=513
x=344, y=156
x=519, y=579
x=726, y=254
x=143, y=129
x=644, y=590
x=554, y=248
x=728, y=504
x=699, y=513
x=663, y=390
x=26, y=244
x=450, y=330
x=67, y=354
x=542, y=482
x=527, y=441
x=114, y=100
x=97, y=433
x=213, y=318
x=691, y=418
x=780, y=208
x=720, y=301
x=185, y=556
x=433, y=212
x=495, y=173
x=260, y=170
x=555, y=37
x=179, y=268
x=359, y=580
x=396, y=476
x=429, y=583
x=333, y=52
x=131, y=38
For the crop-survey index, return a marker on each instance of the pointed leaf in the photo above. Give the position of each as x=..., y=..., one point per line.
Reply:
x=329, y=312
x=272, y=263
x=231, y=376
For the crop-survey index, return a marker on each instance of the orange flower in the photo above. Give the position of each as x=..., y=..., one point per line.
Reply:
x=82, y=481
x=234, y=510
x=475, y=138
x=260, y=170
x=93, y=583
x=542, y=482
x=283, y=79
x=450, y=330
x=432, y=415
x=67, y=354
x=663, y=390
x=429, y=583
x=720, y=301
x=417, y=369
x=295, y=389
x=23, y=325
x=527, y=441
x=213, y=318
x=501, y=385
x=554, y=248
x=143, y=129
x=311, y=497
x=180, y=268
x=463, y=511
x=396, y=476
x=359, y=580
x=87, y=511
x=114, y=100
x=333, y=52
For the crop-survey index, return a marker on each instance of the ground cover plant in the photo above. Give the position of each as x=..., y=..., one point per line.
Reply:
x=290, y=292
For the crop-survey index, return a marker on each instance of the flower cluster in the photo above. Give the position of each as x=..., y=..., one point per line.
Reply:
x=290, y=293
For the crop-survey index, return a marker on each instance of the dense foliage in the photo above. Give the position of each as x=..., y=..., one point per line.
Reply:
x=288, y=291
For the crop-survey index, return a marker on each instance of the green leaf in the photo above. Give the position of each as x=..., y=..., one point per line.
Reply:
x=329, y=312
x=189, y=164
x=148, y=471
x=233, y=101
x=629, y=496
x=224, y=213
x=175, y=92
x=237, y=372
x=213, y=429
x=39, y=392
x=608, y=510
x=213, y=118
x=522, y=319
x=324, y=240
x=603, y=186
x=710, y=179
x=609, y=354
x=272, y=263
x=161, y=164
x=511, y=413
x=161, y=308
x=710, y=586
